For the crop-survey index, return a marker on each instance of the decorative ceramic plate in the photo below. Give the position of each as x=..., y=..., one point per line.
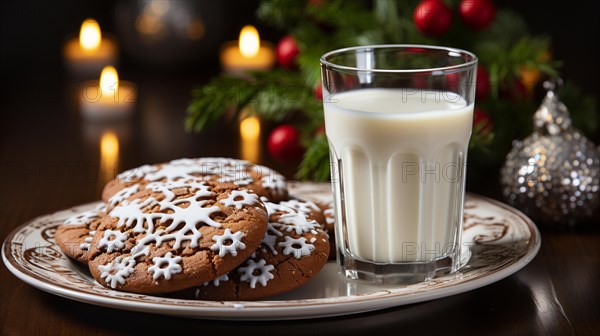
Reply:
x=501, y=241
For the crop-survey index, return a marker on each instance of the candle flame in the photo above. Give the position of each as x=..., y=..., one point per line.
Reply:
x=250, y=128
x=109, y=147
x=109, y=156
x=250, y=137
x=90, y=35
x=109, y=81
x=249, y=41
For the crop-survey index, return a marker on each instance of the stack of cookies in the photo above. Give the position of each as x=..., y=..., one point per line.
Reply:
x=207, y=228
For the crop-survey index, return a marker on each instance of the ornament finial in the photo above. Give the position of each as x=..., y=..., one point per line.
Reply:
x=553, y=84
x=552, y=117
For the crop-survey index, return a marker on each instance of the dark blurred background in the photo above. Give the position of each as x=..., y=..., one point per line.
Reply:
x=32, y=34
x=38, y=93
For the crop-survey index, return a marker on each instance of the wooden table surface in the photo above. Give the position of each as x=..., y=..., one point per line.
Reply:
x=50, y=161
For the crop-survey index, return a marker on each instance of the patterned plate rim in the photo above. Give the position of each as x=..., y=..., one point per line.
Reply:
x=289, y=309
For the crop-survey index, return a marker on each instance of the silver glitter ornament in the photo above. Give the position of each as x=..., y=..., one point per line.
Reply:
x=553, y=174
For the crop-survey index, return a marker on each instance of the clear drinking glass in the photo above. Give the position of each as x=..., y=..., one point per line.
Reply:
x=398, y=119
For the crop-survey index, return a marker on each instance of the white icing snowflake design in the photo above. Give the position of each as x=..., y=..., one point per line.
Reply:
x=116, y=271
x=101, y=207
x=83, y=218
x=247, y=272
x=87, y=241
x=165, y=266
x=271, y=239
x=242, y=182
x=123, y=194
x=185, y=214
x=227, y=170
x=136, y=173
x=186, y=169
x=216, y=282
x=329, y=216
x=272, y=208
x=167, y=188
x=299, y=223
x=274, y=182
x=304, y=207
x=298, y=247
x=189, y=217
x=231, y=248
x=129, y=213
x=171, y=172
x=113, y=240
x=239, y=198
x=183, y=162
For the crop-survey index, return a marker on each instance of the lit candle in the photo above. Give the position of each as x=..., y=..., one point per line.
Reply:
x=109, y=98
x=250, y=138
x=88, y=54
x=109, y=157
x=247, y=54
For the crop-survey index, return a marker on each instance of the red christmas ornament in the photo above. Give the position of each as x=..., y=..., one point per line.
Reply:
x=477, y=14
x=432, y=17
x=482, y=123
x=318, y=91
x=284, y=143
x=483, y=85
x=287, y=51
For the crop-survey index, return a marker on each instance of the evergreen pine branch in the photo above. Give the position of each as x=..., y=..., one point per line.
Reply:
x=277, y=100
x=347, y=17
x=281, y=13
x=212, y=100
x=274, y=95
x=315, y=163
x=505, y=59
x=309, y=66
x=313, y=45
x=507, y=27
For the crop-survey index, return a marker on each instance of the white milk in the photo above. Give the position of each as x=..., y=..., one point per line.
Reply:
x=402, y=162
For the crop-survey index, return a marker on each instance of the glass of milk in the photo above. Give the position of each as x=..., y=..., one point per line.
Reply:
x=398, y=119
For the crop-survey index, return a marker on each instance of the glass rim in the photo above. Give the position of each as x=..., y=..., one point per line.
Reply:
x=445, y=69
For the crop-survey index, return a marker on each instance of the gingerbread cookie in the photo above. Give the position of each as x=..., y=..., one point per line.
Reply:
x=174, y=235
x=260, y=179
x=75, y=234
x=293, y=250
